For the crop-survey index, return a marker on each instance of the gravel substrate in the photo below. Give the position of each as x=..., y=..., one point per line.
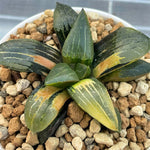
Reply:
x=78, y=131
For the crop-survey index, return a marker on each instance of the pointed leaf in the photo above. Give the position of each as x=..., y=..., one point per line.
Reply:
x=119, y=119
x=28, y=55
x=43, y=107
x=82, y=70
x=118, y=49
x=64, y=18
x=78, y=47
x=92, y=96
x=61, y=76
x=129, y=72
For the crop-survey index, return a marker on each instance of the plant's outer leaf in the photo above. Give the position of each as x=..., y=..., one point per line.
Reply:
x=118, y=49
x=119, y=119
x=61, y=76
x=51, y=129
x=78, y=47
x=29, y=56
x=129, y=72
x=43, y=107
x=92, y=96
x=64, y=18
x=82, y=70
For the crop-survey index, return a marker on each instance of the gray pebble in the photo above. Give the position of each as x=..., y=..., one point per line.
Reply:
x=3, y=133
x=89, y=141
x=42, y=28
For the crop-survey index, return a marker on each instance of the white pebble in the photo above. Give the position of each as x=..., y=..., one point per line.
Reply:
x=11, y=90
x=62, y=130
x=32, y=138
x=142, y=87
x=126, y=112
x=148, y=76
x=141, y=78
x=103, y=138
x=93, y=15
x=3, y=121
x=62, y=141
x=3, y=133
x=148, y=95
x=52, y=143
x=108, y=27
x=118, y=146
x=7, y=84
x=134, y=95
x=95, y=126
x=1, y=100
x=88, y=133
x=134, y=146
x=76, y=130
x=143, y=106
x=26, y=146
x=68, y=146
x=94, y=36
x=30, y=26
x=20, y=136
x=136, y=110
x=22, y=84
x=77, y=143
x=147, y=143
x=10, y=146
x=124, y=89
x=115, y=85
x=123, y=133
x=22, y=119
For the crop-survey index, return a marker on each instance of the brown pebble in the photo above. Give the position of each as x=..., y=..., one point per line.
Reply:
x=14, y=125
x=95, y=147
x=114, y=94
x=141, y=135
x=33, y=77
x=75, y=112
x=15, y=75
x=85, y=121
x=101, y=146
x=20, y=30
x=27, y=91
x=8, y=140
x=9, y=99
x=38, y=22
x=18, y=110
x=125, y=121
x=133, y=102
x=23, y=75
x=141, y=146
x=68, y=137
x=109, y=21
x=109, y=85
x=37, y=36
x=147, y=127
x=49, y=28
x=140, y=121
x=148, y=107
x=143, y=99
x=24, y=130
x=68, y=122
x=131, y=134
x=122, y=103
x=132, y=123
x=133, y=83
x=17, y=142
x=5, y=74
x=40, y=147
x=7, y=110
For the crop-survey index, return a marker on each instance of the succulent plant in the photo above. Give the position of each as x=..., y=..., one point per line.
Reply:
x=78, y=69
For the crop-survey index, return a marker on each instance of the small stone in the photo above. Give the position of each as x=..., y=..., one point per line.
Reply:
x=93, y=15
x=23, y=75
x=68, y=122
x=122, y=103
x=15, y=75
x=142, y=87
x=75, y=112
x=10, y=146
x=19, y=148
x=141, y=135
x=33, y=77
x=5, y=74
x=124, y=89
x=49, y=12
x=131, y=134
x=27, y=91
x=143, y=106
x=24, y=130
x=140, y=121
x=116, y=135
x=103, y=138
x=77, y=143
x=94, y=36
x=62, y=141
x=40, y=147
x=26, y=146
x=3, y=133
x=22, y=84
x=90, y=147
x=22, y=119
x=136, y=110
x=141, y=78
x=18, y=110
x=14, y=125
x=133, y=101
x=143, y=99
x=134, y=146
x=125, y=121
x=21, y=136
x=148, y=95
x=115, y=85
x=12, y=90
x=7, y=110
x=148, y=107
x=68, y=137
x=9, y=99
x=1, y=100
x=88, y=133
x=85, y=121
x=132, y=123
x=32, y=138
x=76, y=130
x=108, y=27
x=95, y=126
x=123, y=133
x=42, y=28
x=52, y=143
x=62, y=130
x=68, y=146
x=118, y=146
x=17, y=141
x=3, y=121
x=149, y=134
x=37, y=36
x=89, y=141
x=30, y=26
x=147, y=143
x=35, y=84
x=126, y=112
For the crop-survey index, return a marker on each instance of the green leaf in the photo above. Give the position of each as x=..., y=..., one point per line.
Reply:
x=92, y=96
x=82, y=70
x=119, y=119
x=28, y=55
x=78, y=47
x=43, y=106
x=64, y=18
x=61, y=76
x=129, y=72
x=118, y=49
